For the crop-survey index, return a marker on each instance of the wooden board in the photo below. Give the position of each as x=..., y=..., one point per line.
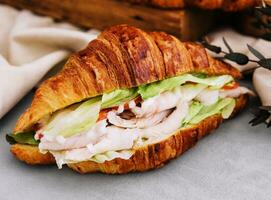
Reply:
x=186, y=24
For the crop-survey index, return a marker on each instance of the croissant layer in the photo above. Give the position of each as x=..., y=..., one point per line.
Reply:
x=144, y=158
x=121, y=57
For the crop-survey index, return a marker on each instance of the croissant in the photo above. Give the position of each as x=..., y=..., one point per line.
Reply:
x=227, y=5
x=124, y=57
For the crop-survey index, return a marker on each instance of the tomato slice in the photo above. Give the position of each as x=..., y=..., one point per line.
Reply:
x=231, y=86
x=103, y=113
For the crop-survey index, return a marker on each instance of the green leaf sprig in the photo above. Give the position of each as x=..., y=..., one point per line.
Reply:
x=22, y=138
x=262, y=115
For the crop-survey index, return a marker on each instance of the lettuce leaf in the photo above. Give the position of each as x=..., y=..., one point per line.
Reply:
x=224, y=106
x=227, y=111
x=118, y=97
x=194, y=109
x=61, y=158
x=22, y=138
x=200, y=75
x=74, y=121
x=111, y=155
x=153, y=89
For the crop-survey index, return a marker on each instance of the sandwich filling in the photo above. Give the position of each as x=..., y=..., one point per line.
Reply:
x=114, y=124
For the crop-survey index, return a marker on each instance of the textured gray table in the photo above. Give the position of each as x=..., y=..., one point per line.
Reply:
x=233, y=163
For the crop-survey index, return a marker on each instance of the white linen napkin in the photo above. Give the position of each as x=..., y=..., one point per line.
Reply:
x=262, y=84
x=238, y=42
x=30, y=46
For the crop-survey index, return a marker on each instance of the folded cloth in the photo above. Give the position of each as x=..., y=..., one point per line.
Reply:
x=238, y=43
x=262, y=84
x=30, y=46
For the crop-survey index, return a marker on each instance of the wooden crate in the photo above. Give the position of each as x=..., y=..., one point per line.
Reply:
x=244, y=22
x=186, y=24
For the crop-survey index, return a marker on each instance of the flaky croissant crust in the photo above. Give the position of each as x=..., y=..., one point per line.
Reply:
x=121, y=57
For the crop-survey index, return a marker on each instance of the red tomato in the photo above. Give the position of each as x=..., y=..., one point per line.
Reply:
x=231, y=86
x=103, y=113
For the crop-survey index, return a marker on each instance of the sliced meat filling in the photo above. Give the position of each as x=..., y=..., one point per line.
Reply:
x=137, y=122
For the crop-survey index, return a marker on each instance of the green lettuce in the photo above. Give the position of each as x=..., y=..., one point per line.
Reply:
x=118, y=97
x=223, y=106
x=194, y=109
x=72, y=121
x=153, y=89
x=22, y=138
x=227, y=110
x=110, y=155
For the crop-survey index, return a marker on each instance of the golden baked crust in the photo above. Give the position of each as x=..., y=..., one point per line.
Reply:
x=145, y=158
x=31, y=155
x=228, y=5
x=121, y=57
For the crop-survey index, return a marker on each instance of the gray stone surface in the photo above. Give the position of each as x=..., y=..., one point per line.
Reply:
x=233, y=163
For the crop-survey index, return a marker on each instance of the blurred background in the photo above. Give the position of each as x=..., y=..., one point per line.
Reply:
x=186, y=19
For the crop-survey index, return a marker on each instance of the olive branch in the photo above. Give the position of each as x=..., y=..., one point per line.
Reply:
x=262, y=115
x=239, y=58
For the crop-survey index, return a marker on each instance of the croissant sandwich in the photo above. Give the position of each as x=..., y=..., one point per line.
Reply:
x=130, y=101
